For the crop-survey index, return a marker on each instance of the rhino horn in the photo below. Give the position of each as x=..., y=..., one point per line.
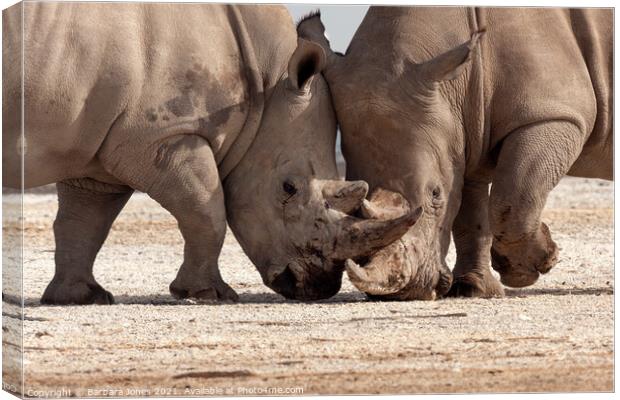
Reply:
x=363, y=237
x=384, y=204
x=388, y=272
x=345, y=196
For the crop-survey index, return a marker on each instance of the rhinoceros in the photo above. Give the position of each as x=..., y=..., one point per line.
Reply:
x=219, y=113
x=439, y=103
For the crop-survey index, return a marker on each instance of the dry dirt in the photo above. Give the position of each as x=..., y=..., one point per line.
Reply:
x=554, y=336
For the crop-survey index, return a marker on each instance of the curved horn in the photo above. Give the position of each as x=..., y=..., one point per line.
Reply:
x=360, y=238
x=388, y=272
x=384, y=204
x=345, y=196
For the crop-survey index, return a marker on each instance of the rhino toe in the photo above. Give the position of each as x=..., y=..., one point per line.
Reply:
x=511, y=273
x=550, y=253
x=521, y=263
x=476, y=285
x=76, y=292
x=219, y=291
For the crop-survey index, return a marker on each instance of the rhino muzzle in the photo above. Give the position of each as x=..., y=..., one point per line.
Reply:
x=400, y=270
x=352, y=237
x=293, y=283
x=387, y=272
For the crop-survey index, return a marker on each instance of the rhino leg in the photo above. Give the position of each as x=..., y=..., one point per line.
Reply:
x=86, y=210
x=532, y=161
x=472, y=238
x=181, y=175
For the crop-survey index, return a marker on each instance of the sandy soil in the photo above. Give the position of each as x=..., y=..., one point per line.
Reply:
x=554, y=336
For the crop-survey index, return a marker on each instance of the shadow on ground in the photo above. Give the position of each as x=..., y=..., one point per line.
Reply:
x=272, y=298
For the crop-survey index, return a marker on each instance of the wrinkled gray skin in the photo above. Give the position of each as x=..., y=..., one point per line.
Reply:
x=216, y=112
x=432, y=107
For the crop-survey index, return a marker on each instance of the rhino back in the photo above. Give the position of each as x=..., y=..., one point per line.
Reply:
x=542, y=64
x=388, y=34
x=593, y=30
x=537, y=64
x=99, y=76
x=11, y=95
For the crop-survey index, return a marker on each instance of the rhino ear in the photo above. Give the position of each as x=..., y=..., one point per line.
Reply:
x=307, y=60
x=311, y=28
x=451, y=64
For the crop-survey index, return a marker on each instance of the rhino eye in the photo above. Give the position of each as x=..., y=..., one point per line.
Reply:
x=289, y=188
x=436, y=193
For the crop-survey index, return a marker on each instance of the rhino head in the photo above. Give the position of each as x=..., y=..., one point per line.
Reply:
x=401, y=132
x=286, y=206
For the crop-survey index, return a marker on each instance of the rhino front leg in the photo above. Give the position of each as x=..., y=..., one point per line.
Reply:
x=472, y=238
x=532, y=161
x=185, y=181
x=86, y=211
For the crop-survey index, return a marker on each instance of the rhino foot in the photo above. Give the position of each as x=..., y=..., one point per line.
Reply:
x=519, y=264
x=212, y=291
x=473, y=284
x=76, y=292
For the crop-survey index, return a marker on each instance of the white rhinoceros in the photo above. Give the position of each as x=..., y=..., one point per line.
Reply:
x=216, y=112
x=438, y=103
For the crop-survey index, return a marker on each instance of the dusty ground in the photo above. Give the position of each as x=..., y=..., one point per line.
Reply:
x=554, y=336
